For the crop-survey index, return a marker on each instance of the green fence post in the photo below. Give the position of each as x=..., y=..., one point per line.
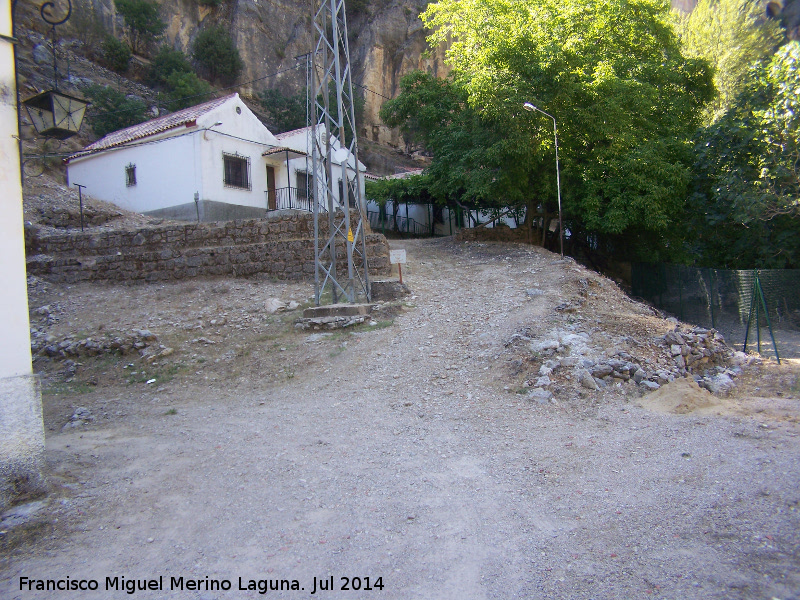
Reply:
x=756, y=286
x=769, y=324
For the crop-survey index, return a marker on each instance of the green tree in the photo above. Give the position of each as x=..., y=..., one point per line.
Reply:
x=476, y=161
x=746, y=191
x=732, y=35
x=285, y=112
x=215, y=52
x=625, y=98
x=185, y=90
x=143, y=22
x=165, y=63
x=116, y=54
x=111, y=110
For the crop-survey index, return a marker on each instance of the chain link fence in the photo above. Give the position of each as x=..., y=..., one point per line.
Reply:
x=726, y=300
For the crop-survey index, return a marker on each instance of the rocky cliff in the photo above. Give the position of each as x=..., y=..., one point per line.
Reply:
x=387, y=39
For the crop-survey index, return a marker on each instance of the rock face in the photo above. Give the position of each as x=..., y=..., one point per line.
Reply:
x=386, y=39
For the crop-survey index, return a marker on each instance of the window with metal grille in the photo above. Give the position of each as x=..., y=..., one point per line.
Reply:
x=302, y=184
x=348, y=193
x=130, y=175
x=236, y=171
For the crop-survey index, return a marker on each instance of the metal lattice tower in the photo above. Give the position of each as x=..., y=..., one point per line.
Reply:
x=340, y=257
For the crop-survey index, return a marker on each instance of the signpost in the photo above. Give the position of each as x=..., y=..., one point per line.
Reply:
x=398, y=257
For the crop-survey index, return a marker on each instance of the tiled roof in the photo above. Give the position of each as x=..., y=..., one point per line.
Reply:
x=286, y=134
x=154, y=126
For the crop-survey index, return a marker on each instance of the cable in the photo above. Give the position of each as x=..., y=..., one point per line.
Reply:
x=216, y=91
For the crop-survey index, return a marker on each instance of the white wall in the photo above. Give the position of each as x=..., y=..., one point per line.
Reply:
x=21, y=430
x=165, y=173
x=240, y=132
x=15, y=349
x=300, y=141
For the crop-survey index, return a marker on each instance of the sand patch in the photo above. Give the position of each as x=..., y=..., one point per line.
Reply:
x=683, y=396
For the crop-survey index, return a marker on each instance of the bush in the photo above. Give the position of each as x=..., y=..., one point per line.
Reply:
x=142, y=20
x=214, y=51
x=186, y=89
x=116, y=54
x=111, y=110
x=285, y=112
x=165, y=63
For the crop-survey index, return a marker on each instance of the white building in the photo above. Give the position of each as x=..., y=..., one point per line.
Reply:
x=211, y=162
x=421, y=218
x=300, y=141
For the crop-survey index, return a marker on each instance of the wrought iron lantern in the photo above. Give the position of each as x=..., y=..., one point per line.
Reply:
x=53, y=113
x=56, y=114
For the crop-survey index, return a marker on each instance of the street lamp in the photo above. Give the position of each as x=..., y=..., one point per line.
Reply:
x=55, y=114
x=530, y=107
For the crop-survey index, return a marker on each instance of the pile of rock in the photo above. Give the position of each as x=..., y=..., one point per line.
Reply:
x=696, y=348
x=138, y=340
x=685, y=351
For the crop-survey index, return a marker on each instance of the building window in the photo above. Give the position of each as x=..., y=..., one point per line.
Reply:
x=303, y=183
x=237, y=171
x=130, y=175
x=347, y=194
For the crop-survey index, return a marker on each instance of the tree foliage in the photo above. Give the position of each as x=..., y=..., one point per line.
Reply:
x=142, y=20
x=476, y=161
x=185, y=90
x=166, y=62
x=111, y=110
x=746, y=192
x=732, y=35
x=116, y=54
x=612, y=74
x=285, y=112
x=215, y=52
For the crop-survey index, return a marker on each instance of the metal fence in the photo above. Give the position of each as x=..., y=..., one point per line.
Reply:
x=727, y=301
x=290, y=198
x=410, y=227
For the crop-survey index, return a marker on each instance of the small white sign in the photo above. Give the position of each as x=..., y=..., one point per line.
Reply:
x=397, y=257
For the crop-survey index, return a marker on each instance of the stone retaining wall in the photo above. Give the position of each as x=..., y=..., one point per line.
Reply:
x=282, y=247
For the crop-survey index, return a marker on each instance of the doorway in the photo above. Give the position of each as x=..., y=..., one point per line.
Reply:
x=271, y=195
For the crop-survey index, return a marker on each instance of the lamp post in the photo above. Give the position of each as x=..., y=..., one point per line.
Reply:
x=530, y=107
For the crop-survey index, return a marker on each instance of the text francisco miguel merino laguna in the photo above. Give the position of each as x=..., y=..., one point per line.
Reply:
x=262, y=586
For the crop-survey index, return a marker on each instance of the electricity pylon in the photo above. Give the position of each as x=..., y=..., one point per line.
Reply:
x=340, y=257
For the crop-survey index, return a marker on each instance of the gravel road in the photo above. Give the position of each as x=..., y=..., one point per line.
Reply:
x=406, y=455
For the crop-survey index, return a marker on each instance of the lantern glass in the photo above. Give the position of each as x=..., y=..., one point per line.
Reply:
x=55, y=114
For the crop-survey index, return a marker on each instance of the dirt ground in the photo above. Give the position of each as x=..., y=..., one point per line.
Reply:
x=411, y=451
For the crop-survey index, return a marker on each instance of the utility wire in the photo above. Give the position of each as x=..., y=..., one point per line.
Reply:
x=214, y=92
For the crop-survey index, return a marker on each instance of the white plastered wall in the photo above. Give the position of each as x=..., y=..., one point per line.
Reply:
x=21, y=430
x=165, y=173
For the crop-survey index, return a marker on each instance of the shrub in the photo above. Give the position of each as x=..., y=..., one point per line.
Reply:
x=165, y=63
x=111, y=110
x=116, y=54
x=142, y=20
x=186, y=89
x=285, y=112
x=214, y=51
